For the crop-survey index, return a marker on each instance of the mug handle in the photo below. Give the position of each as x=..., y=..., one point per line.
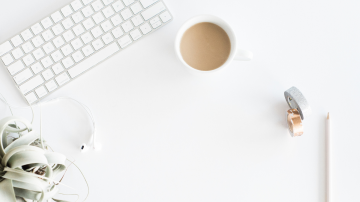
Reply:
x=243, y=55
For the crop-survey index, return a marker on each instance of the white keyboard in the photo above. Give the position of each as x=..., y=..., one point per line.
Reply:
x=64, y=45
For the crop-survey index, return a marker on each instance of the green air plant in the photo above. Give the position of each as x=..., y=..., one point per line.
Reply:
x=28, y=168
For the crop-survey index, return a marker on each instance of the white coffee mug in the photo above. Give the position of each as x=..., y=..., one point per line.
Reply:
x=235, y=54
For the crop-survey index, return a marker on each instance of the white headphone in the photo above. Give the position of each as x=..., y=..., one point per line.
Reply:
x=92, y=141
x=84, y=147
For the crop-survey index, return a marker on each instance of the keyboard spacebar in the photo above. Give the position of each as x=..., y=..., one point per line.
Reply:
x=93, y=60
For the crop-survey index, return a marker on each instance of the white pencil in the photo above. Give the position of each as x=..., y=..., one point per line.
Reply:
x=328, y=158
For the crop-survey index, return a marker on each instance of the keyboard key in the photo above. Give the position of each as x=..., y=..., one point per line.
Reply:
x=127, y=26
x=88, y=50
x=38, y=54
x=17, y=53
x=49, y=47
x=58, y=29
x=85, y=2
x=77, y=56
x=37, y=67
x=16, y=67
x=68, y=62
x=68, y=36
x=41, y=91
x=27, y=47
x=135, y=34
x=86, y=37
x=165, y=16
x=93, y=60
x=23, y=76
x=107, y=2
x=137, y=20
x=58, y=41
x=107, y=38
x=145, y=28
x=88, y=24
x=7, y=59
x=76, y=5
x=27, y=34
x=78, y=29
x=67, y=23
x=126, y=14
x=62, y=79
x=67, y=50
x=51, y=85
x=77, y=43
x=155, y=22
x=128, y=2
x=106, y=26
x=96, y=32
x=116, y=20
x=57, y=17
x=136, y=8
x=118, y=6
x=31, y=84
x=154, y=10
x=5, y=47
x=87, y=11
x=147, y=3
x=37, y=41
x=36, y=28
x=77, y=17
x=98, y=18
x=66, y=11
x=108, y=12
x=56, y=56
x=28, y=60
x=98, y=44
x=124, y=41
x=47, y=35
x=97, y=5
x=117, y=32
x=31, y=98
x=16, y=40
x=47, y=74
x=58, y=68
x=46, y=22
x=46, y=62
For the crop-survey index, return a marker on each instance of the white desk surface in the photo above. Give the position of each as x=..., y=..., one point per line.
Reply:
x=168, y=135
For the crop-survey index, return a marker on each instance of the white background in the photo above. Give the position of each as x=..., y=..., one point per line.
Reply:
x=168, y=135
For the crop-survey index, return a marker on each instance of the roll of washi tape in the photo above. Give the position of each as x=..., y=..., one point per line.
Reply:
x=299, y=109
x=294, y=123
x=296, y=100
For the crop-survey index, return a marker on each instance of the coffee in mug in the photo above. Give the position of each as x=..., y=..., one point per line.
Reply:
x=205, y=46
